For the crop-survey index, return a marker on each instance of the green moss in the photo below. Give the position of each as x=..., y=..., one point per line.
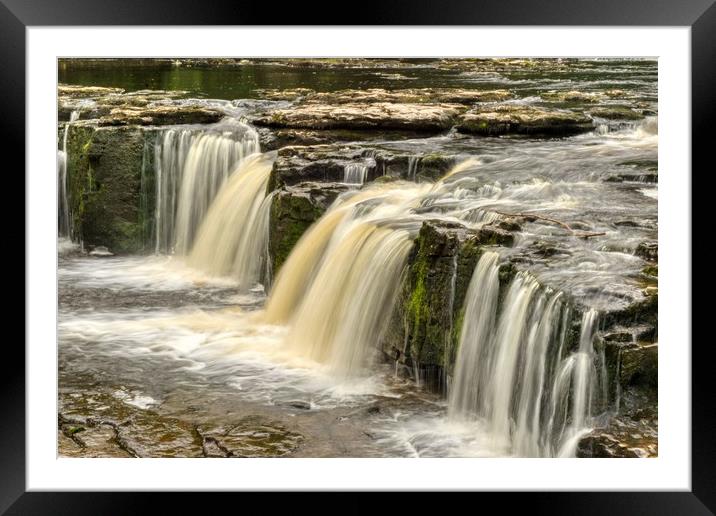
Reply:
x=291, y=216
x=651, y=270
x=433, y=297
x=111, y=186
x=417, y=304
x=78, y=173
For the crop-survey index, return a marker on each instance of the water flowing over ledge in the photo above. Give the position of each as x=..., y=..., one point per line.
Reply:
x=232, y=238
x=191, y=166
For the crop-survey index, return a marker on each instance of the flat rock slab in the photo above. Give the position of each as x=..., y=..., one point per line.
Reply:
x=95, y=102
x=72, y=90
x=572, y=96
x=500, y=120
x=616, y=113
x=379, y=115
x=252, y=436
x=161, y=115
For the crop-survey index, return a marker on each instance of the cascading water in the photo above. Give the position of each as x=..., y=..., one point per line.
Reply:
x=337, y=289
x=413, y=162
x=355, y=173
x=233, y=237
x=64, y=217
x=509, y=372
x=191, y=166
x=354, y=292
x=471, y=364
x=584, y=378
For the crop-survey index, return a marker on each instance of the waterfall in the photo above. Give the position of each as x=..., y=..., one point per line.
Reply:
x=233, y=238
x=375, y=203
x=355, y=173
x=471, y=363
x=413, y=162
x=509, y=371
x=295, y=274
x=337, y=289
x=191, y=166
x=63, y=200
x=351, y=298
x=511, y=331
x=584, y=377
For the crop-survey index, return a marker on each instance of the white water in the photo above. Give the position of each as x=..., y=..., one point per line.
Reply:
x=64, y=216
x=191, y=166
x=510, y=380
x=584, y=378
x=480, y=313
x=233, y=238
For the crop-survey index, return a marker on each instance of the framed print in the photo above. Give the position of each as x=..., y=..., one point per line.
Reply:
x=371, y=257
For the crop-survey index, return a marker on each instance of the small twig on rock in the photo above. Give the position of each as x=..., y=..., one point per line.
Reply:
x=529, y=217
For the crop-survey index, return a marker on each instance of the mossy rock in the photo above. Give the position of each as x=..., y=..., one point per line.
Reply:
x=425, y=326
x=293, y=210
x=523, y=120
x=111, y=186
x=616, y=113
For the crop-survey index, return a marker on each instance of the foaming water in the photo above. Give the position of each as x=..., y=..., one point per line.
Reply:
x=215, y=345
x=65, y=246
x=137, y=273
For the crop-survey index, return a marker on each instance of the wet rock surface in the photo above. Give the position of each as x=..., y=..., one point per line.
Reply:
x=616, y=113
x=95, y=102
x=424, y=330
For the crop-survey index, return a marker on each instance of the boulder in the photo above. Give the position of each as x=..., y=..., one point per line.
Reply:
x=323, y=163
x=571, y=96
x=648, y=250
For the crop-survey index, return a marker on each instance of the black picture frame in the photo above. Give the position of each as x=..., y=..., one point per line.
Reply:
x=700, y=15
